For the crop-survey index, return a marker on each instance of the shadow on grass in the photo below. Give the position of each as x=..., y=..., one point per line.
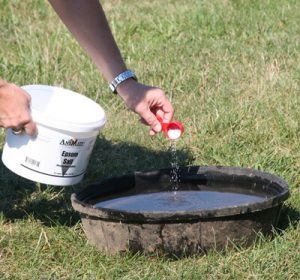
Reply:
x=289, y=217
x=23, y=199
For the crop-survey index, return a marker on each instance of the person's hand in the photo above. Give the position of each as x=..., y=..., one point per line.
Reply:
x=15, y=109
x=148, y=102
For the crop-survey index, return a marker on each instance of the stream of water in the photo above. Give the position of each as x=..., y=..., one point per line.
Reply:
x=174, y=176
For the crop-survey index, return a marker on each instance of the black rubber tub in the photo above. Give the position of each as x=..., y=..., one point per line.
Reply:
x=214, y=207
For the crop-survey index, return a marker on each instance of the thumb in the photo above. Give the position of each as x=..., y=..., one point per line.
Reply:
x=30, y=128
x=152, y=121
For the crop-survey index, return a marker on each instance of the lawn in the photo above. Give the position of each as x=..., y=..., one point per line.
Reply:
x=231, y=70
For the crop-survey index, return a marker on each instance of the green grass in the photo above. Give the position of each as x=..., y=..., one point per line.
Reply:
x=231, y=69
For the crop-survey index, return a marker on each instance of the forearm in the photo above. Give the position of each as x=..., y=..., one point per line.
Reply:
x=87, y=22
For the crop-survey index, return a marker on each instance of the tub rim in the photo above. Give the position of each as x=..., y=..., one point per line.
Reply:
x=86, y=209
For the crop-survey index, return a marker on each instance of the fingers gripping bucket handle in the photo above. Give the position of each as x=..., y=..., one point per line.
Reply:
x=60, y=153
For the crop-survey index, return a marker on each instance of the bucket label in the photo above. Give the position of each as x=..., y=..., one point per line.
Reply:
x=67, y=160
x=72, y=142
x=70, y=159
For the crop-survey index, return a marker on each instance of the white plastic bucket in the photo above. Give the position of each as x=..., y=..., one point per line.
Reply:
x=68, y=124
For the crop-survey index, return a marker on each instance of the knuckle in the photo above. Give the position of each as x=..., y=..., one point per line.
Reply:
x=139, y=108
x=159, y=91
x=151, y=120
x=24, y=118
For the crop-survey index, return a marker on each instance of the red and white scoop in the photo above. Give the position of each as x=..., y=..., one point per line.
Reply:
x=173, y=130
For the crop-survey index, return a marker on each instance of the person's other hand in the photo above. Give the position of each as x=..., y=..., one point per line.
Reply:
x=15, y=109
x=148, y=102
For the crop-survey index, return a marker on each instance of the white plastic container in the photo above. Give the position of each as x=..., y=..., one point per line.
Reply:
x=68, y=124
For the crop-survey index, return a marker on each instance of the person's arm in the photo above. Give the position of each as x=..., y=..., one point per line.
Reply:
x=15, y=108
x=87, y=22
